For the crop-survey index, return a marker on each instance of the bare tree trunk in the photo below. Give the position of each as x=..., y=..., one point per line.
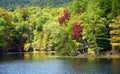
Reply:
x=96, y=47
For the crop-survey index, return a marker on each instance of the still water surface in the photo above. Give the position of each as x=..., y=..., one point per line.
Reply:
x=37, y=63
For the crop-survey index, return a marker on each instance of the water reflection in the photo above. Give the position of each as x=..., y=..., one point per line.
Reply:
x=115, y=66
x=37, y=56
x=26, y=56
x=37, y=63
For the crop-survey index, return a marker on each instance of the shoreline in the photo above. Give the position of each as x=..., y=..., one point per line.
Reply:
x=61, y=56
x=28, y=52
x=100, y=56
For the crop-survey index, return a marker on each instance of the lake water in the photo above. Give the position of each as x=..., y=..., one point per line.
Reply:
x=37, y=63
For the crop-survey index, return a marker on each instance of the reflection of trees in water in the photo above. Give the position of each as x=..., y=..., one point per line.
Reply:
x=95, y=65
x=116, y=66
x=34, y=56
x=37, y=56
x=12, y=56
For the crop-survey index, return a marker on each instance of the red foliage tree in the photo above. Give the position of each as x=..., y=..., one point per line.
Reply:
x=76, y=31
x=62, y=20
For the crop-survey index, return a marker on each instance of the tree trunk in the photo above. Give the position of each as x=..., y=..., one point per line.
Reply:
x=96, y=47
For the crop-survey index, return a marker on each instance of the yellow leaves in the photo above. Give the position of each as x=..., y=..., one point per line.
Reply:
x=115, y=32
x=62, y=13
x=8, y=13
x=78, y=44
x=115, y=44
x=115, y=39
x=118, y=19
x=114, y=25
x=1, y=9
x=26, y=46
x=91, y=51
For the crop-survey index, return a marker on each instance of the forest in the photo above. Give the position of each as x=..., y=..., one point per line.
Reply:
x=81, y=27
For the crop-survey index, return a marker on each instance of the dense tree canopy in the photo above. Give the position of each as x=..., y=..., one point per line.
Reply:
x=86, y=26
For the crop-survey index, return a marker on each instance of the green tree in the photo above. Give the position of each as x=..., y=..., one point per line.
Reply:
x=2, y=33
x=6, y=27
x=115, y=11
x=105, y=6
x=94, y=28
x=78, y=5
